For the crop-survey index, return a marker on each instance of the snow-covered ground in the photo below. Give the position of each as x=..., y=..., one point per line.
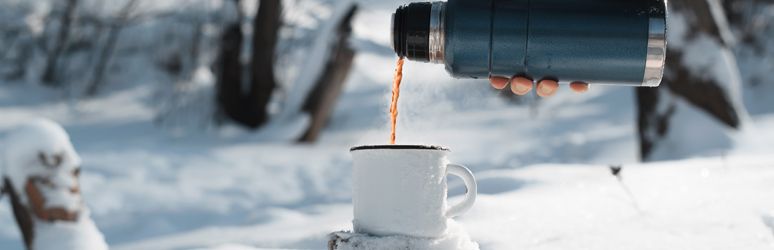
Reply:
x=541, y=164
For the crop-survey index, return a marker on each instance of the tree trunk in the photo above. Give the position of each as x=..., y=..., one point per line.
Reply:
x=49, y=77
x=103, y=60
x=23, y=217
x=249, y=109
x=265, y=27
x=229, y=91
x=107, y=51
x=319, y=104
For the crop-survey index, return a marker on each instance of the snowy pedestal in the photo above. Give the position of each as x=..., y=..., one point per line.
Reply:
x=455, y=238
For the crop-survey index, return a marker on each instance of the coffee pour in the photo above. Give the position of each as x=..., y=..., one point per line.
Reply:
x=395, y=93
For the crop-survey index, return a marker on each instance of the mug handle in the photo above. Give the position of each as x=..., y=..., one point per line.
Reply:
x=470, y=183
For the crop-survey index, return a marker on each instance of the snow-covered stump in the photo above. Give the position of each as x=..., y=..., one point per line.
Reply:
x=40, y=173
x=454, y=238
x=698, y=109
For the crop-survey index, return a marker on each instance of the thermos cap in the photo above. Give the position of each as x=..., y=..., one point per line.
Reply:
x=411, y=31
x=417, y=31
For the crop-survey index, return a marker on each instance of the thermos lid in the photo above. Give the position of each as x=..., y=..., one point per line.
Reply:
x=411, y=31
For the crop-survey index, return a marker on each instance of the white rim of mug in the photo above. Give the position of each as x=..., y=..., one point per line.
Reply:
x=390, y=146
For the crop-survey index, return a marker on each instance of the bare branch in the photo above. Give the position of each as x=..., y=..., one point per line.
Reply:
x=107, y=50
x=64, y=33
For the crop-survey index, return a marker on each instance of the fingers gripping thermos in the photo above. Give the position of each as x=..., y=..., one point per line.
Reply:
x=595, y=41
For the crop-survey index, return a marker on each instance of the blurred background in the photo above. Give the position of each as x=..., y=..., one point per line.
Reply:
x=210, y=122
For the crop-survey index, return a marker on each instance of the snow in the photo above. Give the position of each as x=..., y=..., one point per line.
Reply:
x=541, y=164
x=692, y=131
x=709, y=203
x=454, y=237
x=29, y=152
x=755, y=59
x=312, y=67
x=81, y=234
x=40, y=138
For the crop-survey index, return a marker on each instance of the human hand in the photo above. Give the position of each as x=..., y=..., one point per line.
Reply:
x=545, y=88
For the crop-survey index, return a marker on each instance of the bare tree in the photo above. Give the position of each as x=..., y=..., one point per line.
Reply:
x=107, y=50
x=249, y=108
x=315, y=96
x=229, y=81
x=49, y=77
x=326, y=91
x=262, y=82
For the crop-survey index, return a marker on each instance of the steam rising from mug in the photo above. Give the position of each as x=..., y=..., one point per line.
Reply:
x=595, y=41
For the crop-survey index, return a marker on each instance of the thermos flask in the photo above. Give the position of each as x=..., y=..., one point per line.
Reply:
x=595, y=41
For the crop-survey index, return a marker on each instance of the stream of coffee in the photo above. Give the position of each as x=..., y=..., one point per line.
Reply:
x=395, y=93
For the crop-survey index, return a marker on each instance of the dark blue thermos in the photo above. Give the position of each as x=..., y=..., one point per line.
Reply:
x=595, y=41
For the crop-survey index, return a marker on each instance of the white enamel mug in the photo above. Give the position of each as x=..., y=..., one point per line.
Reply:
x=401, y=189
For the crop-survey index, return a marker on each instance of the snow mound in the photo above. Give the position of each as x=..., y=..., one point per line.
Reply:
x=42, y=149
x=454, y=238
x=231, y=247
x=81, y=235
x=29, y=145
